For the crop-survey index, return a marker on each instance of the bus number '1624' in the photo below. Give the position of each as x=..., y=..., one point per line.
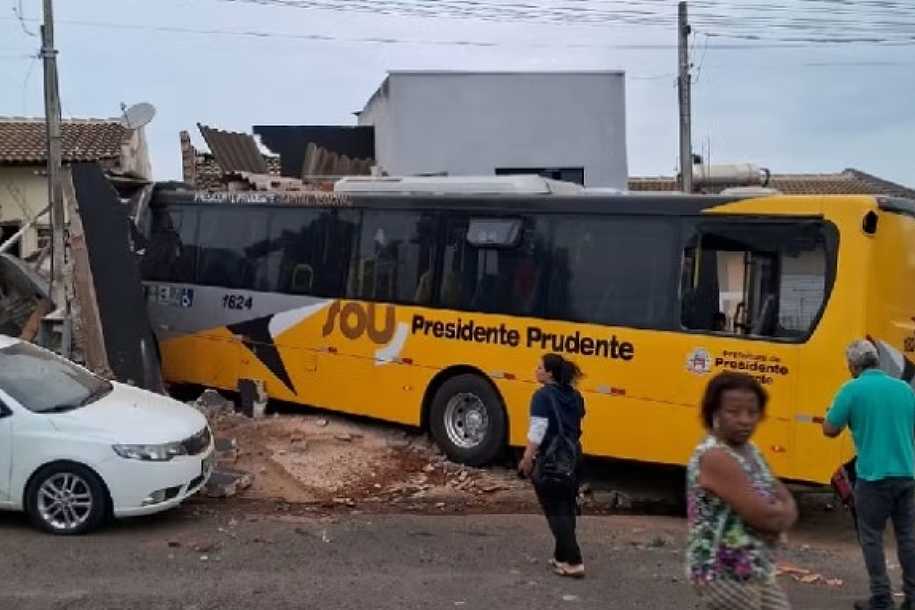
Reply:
x=236, y=301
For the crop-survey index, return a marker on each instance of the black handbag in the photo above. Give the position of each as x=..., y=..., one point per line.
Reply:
x=557, y=464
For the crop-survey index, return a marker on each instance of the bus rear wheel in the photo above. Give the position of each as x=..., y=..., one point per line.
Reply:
x=467, y=420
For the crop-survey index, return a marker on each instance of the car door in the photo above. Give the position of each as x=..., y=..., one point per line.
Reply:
x=6, y=444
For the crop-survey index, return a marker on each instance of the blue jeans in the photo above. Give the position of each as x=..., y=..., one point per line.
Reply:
x=876, y=502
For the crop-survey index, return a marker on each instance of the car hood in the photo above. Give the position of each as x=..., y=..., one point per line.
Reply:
x=130, y=415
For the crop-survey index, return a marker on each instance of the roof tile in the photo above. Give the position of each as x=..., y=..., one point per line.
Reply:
x=23, y=140
x=848, y=182
x=234, y=152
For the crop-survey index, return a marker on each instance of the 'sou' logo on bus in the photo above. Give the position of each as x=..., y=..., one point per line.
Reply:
x=699, y=362
x=356, y=320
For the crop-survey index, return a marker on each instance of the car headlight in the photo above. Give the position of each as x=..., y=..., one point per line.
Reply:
x=150, y=453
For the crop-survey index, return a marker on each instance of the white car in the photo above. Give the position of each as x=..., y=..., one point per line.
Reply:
x=76, y=449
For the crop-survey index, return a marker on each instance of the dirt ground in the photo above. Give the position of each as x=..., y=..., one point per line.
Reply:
x=315, y=465
x=329, y=460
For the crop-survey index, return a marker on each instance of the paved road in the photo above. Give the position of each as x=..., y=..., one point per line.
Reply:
x=365, y=561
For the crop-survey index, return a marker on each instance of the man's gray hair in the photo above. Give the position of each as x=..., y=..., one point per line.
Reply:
x=862, y=355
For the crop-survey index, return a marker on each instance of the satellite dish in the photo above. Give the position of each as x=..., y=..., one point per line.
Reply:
x=137, y=115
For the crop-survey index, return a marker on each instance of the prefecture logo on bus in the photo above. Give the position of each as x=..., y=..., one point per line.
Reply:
x=699, y=362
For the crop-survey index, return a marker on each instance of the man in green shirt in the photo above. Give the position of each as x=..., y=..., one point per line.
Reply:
x=880, y=411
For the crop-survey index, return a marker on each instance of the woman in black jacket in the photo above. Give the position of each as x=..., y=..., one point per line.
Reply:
x=557, y=409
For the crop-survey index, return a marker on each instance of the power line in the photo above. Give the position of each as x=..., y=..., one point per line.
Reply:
x=814, y=21
x=267, y=34
x=25, y=82
x=17, y=11
x=270, y=34
x=701, y=61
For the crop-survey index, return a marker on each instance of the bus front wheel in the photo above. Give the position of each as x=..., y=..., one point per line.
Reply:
x=467, y=420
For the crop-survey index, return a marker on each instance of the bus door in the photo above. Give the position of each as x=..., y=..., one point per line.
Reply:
x=755, y=289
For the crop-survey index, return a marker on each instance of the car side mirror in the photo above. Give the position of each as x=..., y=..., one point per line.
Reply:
x=4, y=411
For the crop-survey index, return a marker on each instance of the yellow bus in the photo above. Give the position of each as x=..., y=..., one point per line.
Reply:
x=432, y=309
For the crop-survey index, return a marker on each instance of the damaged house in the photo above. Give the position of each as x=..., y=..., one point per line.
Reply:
x=107, y=177
x=121, y=152
x=276, y=157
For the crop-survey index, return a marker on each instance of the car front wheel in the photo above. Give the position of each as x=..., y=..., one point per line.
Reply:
x=66, y=499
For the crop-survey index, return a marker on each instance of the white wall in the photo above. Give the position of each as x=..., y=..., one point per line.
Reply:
x=472, y=123
x=23, y=186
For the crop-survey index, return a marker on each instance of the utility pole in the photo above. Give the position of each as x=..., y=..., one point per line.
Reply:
x=55, y=185
x=683, y=86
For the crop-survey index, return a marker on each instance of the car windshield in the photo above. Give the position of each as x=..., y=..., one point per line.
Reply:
x=45, y=383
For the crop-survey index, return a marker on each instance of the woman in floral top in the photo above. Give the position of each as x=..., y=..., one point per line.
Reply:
x=737, y=509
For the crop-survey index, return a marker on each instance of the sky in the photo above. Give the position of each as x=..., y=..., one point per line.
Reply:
x=795, y=86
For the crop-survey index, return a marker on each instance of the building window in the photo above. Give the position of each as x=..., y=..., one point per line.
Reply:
x=566, y=174
x=7, y=230
x=43, y=234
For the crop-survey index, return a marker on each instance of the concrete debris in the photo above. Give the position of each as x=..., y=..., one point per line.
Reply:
x=226, y=450
x=806, y=577
x=349, y=464
x=24, y=295
x=612, y=500
x=213, y=404
x=206, y=547
x=253, y=397
x=493, y=488
x=226, y=483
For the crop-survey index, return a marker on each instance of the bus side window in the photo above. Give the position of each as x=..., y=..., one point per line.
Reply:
x=395, y=256
x=618, y=270
x=506, y=279
x=231, y=254
x=170, y=254
x=754, y=278
x=307, y=251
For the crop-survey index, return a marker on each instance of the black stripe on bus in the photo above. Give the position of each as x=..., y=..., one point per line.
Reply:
x=256, y=337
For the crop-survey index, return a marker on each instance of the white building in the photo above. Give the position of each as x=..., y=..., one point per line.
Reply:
x=563, y=125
